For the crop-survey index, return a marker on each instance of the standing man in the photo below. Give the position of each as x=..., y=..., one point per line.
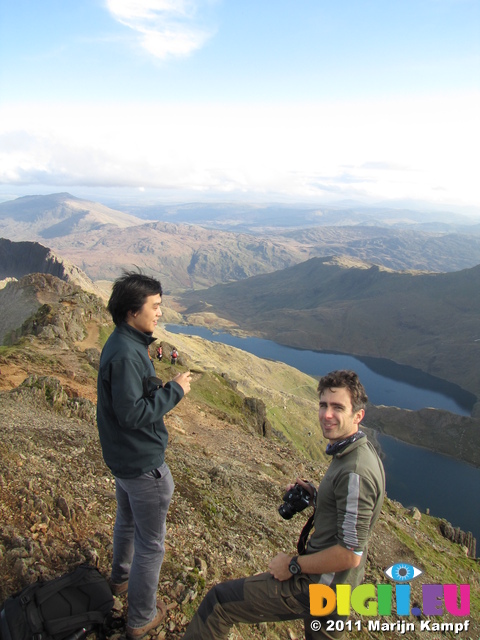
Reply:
x=130, y=409
x=347, y=505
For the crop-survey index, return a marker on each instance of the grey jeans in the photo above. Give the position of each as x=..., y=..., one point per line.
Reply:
x=138, y=539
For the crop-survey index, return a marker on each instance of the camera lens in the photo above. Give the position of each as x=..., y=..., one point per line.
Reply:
x=295, y=500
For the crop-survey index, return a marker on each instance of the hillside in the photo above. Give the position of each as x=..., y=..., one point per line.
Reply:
x=56, y=215
x=182, y=256
x=344, y=305
x=408, y=248
x=19, y=300
x=57, y=505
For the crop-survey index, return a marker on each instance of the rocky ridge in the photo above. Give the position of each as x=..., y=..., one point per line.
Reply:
x=58, y=501
x=18, y=259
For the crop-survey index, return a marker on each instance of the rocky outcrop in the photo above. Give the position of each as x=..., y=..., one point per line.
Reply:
x=47, y=307
x=460, y=537
x=257, y=409
x=47, y=391
x=18, y=259
x=17, y=303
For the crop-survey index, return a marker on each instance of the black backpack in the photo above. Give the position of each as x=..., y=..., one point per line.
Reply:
x=66, y=607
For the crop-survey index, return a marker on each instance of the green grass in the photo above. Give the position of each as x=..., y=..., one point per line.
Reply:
x=104, y=333
x=217, y=393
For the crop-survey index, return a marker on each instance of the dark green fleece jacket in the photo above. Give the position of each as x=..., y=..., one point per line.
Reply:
x=130, y=409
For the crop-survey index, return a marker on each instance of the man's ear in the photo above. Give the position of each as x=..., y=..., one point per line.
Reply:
x=359, y=415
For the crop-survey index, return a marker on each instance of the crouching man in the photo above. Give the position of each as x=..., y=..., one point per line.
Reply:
x=347, y=505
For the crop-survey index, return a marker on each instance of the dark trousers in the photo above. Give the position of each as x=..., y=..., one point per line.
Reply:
x=260, y=598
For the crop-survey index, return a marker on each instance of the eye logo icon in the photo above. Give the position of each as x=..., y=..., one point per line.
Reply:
x=402, y=572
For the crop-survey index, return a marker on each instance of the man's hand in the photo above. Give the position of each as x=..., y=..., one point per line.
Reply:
x=278, y=567
x=308, y=487
x=183, y=379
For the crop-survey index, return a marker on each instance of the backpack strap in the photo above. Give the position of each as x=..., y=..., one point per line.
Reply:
x=70, y=580
x=61, y=625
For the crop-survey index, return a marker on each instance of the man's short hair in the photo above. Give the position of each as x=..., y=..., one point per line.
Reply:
x=129, y=293
x=347, y=380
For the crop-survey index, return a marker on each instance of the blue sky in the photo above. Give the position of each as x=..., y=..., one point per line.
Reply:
x=308, y=100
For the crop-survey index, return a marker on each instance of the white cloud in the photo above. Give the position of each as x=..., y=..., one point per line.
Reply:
x=165, y=28
x=418, y=149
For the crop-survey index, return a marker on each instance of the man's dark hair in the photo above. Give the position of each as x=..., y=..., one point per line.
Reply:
x=129, y=293
x=347, y=380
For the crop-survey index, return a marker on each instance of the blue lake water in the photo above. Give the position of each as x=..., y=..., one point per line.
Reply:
x=449, y=493
x=385, y=381
x=424, y=479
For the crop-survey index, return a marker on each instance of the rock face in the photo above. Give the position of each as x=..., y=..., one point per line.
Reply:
x=18, y=259
x=44, y=305
x=17, y=303
x=460, y=537
x=258, y=411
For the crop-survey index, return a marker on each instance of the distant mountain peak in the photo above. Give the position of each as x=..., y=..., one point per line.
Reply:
x=57, y=215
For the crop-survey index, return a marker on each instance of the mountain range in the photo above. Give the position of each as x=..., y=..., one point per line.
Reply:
x=255, y=218
x=32, y=296
x=103, y=241
x=284, y=285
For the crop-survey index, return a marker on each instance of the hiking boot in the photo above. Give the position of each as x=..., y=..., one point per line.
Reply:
x=118, y=588
x=135, y=633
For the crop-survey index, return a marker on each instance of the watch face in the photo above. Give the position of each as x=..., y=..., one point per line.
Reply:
x=294, y=567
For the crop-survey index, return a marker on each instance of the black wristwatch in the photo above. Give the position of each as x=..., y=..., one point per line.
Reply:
x=294, y=567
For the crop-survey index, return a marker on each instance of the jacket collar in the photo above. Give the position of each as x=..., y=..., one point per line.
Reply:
x=138, y=336
x=352, y=443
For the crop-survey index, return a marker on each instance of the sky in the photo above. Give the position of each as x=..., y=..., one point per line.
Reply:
x=315, y=101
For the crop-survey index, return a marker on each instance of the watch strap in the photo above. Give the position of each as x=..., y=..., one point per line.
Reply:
x=294, y=564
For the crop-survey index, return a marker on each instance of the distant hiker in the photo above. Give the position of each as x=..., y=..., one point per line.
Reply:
x=174, y=356
x=346, y=506
x=159, y=353
x=130, y=409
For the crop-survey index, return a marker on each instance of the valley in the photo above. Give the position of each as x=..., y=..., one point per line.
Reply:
x=229, y=466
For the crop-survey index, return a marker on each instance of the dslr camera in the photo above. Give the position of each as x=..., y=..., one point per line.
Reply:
x=295, y=500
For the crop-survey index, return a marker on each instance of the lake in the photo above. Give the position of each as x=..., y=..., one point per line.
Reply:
x=385, y=381
x=448, y=494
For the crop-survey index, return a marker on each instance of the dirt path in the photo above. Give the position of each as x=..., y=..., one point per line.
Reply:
x=92, y=339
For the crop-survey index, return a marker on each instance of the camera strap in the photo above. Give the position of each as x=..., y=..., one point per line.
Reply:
x=302, y=541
